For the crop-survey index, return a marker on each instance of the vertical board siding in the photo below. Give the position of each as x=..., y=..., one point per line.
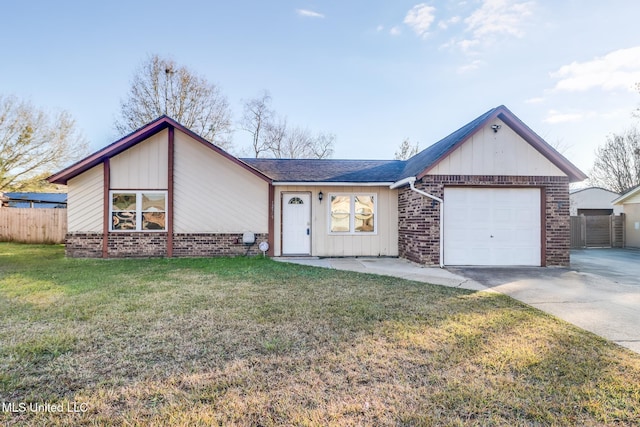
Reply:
x=143, y=166
x=33, y=225
x=578, y=232
x=85, y=201
x=496, y=153
x=213, y=194
x=323, y=243
x=632, y=224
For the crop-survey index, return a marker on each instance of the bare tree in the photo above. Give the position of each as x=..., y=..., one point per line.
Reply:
x=322, y=147
x=636, y=112
x=160, y=86
x=300, y=143
x=271, y=135
x=257, y=119
x=33, y=144
x=406, y=150
x=617, y=163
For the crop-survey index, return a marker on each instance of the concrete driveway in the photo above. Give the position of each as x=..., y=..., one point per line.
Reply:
x=600, y=292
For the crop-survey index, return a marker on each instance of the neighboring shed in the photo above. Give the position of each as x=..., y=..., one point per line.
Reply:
x=34, y=200
x=593, y=201
x=491, y=193
x=630, y=202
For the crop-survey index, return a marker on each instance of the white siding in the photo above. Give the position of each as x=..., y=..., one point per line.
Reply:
x=212, y=194
x=496, y=153
x=632, y=224
x=634, y=199
x=593, y=198
x=85, y=201
x=382, y=243
x=143, y=166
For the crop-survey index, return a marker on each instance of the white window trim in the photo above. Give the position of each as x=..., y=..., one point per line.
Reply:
x=352, y=215
x=138, y=194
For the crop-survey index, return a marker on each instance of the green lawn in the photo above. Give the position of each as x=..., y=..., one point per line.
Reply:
x=250, y=341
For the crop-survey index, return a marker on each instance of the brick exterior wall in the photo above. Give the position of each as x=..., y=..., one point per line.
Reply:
x=419, y=217
x=126, y=245
x=83, y=245
x=141, y=244
x=210, y=245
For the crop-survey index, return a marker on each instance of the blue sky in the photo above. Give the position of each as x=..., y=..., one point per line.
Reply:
x=372, y=72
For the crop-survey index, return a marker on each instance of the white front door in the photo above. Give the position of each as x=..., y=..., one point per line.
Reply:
x=296, y=223
x=492, y=226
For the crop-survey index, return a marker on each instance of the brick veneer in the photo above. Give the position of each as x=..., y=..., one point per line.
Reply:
x=419, y=217
x=83, y=245
x=124, y=245
x=208, y=245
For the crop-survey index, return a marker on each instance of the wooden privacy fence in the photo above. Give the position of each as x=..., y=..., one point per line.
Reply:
x=33, y=225
x=597, y=231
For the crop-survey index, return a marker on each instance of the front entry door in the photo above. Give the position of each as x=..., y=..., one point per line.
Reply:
x=296, y=224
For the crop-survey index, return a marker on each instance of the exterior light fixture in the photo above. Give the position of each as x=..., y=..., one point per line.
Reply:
x=320, y=196
x=495, y=128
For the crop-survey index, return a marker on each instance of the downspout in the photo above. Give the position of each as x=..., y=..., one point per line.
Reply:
x=411, y=181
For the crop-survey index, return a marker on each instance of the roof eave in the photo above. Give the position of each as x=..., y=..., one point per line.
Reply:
x=111, y=150
x=454, y=147
x=334, y=183
x=573, y=173
x=620, y=200
x=503, y=113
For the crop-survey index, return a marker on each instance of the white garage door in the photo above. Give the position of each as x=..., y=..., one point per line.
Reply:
x=492, y=226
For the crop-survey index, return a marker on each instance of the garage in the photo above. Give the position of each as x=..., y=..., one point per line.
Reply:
x=492, y=226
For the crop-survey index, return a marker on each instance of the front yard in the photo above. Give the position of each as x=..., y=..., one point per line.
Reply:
x=249, y=341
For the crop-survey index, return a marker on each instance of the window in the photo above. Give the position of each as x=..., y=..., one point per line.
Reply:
x=352, y=213
x=296, y=201
x=138, y=210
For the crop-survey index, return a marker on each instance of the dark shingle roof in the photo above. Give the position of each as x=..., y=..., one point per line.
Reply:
x=433, y=153
x=328, y=170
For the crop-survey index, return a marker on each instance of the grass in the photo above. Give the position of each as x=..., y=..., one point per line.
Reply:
x=250, y=341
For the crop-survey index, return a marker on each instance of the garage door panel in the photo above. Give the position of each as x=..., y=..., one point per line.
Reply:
x=492, y=226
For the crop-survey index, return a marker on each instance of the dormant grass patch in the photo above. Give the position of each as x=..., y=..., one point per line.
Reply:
x=249, y=341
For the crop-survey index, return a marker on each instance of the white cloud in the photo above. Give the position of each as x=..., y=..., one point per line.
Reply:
x=420, y=18
x=492, y=19
x=473, y=65
x=499, y=17
x=619, y=69
x=537, y=100
x=395, y=31
x=554, y=117
x=443, y=25
x=309, y=13
x=380, y=28
x=466, y=45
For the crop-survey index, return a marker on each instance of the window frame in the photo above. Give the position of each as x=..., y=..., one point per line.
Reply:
x=352, y=214
x=138, y=210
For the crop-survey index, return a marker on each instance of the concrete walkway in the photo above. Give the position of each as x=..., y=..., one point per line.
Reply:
x=395, y=267
x=608, y=308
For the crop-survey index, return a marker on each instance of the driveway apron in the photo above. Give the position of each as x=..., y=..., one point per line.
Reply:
x=599, y=293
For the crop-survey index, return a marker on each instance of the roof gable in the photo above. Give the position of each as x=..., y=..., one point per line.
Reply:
x=329, y=170
x=134, y=138
x=420, y=164
x=629, y=196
